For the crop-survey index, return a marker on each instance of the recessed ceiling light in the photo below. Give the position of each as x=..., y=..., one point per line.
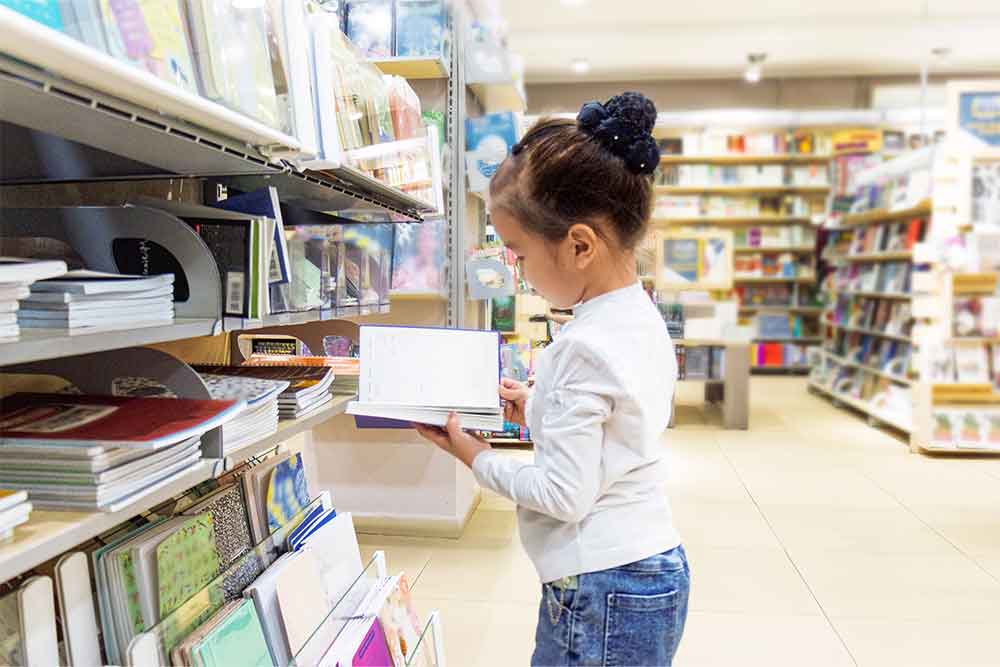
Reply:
x=755, y=68
x=580, y=66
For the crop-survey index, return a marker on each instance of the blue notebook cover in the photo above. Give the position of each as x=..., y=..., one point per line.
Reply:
x=420, y=28
x=46, y=12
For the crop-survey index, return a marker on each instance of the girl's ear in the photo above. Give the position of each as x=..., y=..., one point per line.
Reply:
x=583, y=241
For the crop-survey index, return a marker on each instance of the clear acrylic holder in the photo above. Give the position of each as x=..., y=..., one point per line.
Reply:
x=346, y=609
x=173, y=628
x=429, y=651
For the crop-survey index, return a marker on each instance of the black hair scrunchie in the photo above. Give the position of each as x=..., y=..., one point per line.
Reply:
x=623, y=126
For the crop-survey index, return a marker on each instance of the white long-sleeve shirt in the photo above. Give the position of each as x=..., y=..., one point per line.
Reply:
x=594, y=499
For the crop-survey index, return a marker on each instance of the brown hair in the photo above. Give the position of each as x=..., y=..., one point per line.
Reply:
x=560, y=176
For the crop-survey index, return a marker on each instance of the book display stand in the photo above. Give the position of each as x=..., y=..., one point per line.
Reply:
x=72, y=115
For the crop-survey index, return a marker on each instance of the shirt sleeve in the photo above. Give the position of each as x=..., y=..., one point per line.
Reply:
x=567, y=484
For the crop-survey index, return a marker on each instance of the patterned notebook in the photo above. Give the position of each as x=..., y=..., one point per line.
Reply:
x=185, y=562
x=287, y=492
x=229, y=519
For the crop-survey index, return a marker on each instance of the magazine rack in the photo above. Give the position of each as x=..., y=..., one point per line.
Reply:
x=91, y=231
x=99, y=373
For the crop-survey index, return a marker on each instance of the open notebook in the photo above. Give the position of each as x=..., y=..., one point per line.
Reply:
x=413, y=374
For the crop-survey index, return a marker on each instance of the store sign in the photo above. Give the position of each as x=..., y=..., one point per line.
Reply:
x=979, y=115
x=858, y=140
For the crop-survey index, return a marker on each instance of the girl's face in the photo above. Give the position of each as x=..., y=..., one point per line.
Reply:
x=551, y=267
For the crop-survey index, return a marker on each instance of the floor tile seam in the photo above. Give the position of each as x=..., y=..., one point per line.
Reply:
x=934, y=529
x=794, y=565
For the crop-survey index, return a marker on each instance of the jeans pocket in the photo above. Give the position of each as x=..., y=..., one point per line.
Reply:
x=641, y=630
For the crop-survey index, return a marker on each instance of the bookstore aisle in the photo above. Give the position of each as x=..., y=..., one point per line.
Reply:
x=813, y=538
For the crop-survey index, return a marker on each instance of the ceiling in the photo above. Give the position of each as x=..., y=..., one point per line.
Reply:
x=669, y=39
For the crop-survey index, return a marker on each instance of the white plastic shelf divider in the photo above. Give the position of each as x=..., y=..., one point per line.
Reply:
x=36, y=344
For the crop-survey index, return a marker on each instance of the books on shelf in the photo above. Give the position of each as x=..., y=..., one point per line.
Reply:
x=774, y=236
x=346, y=369
x=714, y=142
x=83, y=298
x=16, y=277
x=965, y=428
x=672, y=206
x=759, y=175
x=308, y=389
x=413, y=374
x=14, y=511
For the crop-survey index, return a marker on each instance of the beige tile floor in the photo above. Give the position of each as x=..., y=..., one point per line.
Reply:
x=814, y=541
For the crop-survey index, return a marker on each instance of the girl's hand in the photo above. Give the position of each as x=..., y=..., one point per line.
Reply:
x=514, y=394
x=452, y=439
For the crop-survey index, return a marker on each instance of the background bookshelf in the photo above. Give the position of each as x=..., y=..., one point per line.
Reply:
x=767, y=185
x=867, y=360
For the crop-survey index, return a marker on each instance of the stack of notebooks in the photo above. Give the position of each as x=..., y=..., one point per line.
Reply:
x=16, y=278
x=86, y=300
x=258, y=419
x=101, y=452
x=149, y=573
x=346, y=370
x=308, y=388
x=232, y=636
x=14, y=510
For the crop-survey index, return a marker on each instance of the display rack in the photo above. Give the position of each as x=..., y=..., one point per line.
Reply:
x=71, y=114
x=866, y=359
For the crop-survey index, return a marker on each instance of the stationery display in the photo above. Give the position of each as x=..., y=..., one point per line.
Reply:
x=14, y=511
x=275, y=492
x=94, y=299
x=308, y=389
x=406, y=377
x=16, y=277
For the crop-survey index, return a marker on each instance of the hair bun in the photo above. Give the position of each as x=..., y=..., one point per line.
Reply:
x=623, y=126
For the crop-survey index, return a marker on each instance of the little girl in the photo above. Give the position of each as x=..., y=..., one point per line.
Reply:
x=572, y=201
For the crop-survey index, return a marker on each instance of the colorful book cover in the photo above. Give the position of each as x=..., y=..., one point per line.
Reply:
x=229, y=521
x=186, y=562
x=287, y=492
x=420, y=28
x=238, y=639
x=46, y=12
x=373, y=651
x=488, y=140
x=503, y=314
x=107, y=420
x=418, y=257
x=401, y=626
x=369, y=26
x=133, y=605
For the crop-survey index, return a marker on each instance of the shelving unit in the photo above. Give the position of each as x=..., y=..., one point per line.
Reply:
x=734, y=220
x=847, y=370
x=737, y=159
x=417, y=68
x=750, y=250
x=773, y=280
x=741, y=189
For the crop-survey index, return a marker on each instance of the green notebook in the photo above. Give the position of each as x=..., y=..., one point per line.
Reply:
x=186, y=562
x=237, y=640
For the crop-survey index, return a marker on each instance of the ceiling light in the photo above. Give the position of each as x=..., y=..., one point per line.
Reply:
x=580, y=66
x=755, y=67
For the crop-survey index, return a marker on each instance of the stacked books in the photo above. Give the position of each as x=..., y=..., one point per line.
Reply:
x=308, y=386
x=92, y=299
x=101, y=452
x=14, y=510
x=16, y=277
x=346, y=370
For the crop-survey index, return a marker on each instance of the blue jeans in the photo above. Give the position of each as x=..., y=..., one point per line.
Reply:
x=628, y=616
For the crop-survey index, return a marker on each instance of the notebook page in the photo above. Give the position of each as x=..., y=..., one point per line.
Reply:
x=445, y=368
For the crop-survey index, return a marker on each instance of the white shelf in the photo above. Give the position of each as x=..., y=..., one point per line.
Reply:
x=288, y=429
x=49, y=533
x=497, y=97
x=870, y=369
x=39, y=344
x=863, y=406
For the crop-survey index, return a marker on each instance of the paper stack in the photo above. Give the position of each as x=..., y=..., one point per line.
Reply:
x=308, y=389
x=16, y=277
x=14, y=510
x=93, y=299
x=101, y=452
x=346, y=370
